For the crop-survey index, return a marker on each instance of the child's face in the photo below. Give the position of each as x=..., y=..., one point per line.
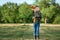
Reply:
x=37, y=9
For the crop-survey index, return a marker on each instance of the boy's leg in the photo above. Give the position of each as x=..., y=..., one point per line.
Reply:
x=38, y=26
x=35, y=26
x=36, y=30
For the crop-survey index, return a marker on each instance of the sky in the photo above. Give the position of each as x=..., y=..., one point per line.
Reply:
x=21, y=1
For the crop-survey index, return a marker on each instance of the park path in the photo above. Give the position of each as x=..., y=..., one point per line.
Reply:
x=57, y=25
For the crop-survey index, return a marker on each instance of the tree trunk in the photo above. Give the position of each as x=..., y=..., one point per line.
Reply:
x=45, y=20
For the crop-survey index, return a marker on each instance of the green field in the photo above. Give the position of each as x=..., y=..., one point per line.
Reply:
x=26, y=32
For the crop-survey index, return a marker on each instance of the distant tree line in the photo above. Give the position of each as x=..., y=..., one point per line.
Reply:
x=13, y=13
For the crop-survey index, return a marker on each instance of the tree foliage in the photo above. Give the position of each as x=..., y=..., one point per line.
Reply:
x=13, y=13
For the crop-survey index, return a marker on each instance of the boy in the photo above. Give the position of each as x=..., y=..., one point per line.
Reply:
x=36, y=19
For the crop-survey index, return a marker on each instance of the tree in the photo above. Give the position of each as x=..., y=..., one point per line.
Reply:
x=0, y=14
x=47, y=8
x=48, y=12
x=9, y=12
x=24, y=12
x=43, y=5
x=36, y=2
x=53, y=2
x=57, y=15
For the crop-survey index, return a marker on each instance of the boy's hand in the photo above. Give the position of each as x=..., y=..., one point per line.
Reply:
x=34, y=19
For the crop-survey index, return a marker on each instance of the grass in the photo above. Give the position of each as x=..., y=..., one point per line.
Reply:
x=26, y=32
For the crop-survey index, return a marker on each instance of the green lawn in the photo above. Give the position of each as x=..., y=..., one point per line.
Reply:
x=26, y=32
